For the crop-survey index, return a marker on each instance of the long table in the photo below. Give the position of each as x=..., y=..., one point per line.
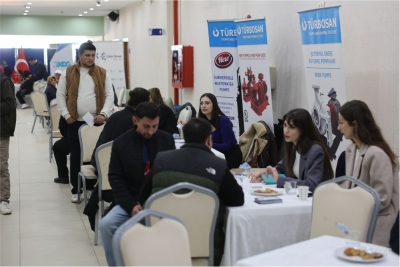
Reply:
x=320, y=251
x=253, y=228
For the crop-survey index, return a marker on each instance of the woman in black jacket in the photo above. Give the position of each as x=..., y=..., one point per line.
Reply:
x=51, y=90
x=167, y=117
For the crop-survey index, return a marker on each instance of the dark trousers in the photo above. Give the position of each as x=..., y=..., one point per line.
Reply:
x=20, y=95
x=61, y=150
x=75, y=158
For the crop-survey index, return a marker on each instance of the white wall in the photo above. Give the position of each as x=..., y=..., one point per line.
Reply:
x=370, y=34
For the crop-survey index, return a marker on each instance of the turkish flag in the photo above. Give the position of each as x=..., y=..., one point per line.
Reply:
x=20, y=64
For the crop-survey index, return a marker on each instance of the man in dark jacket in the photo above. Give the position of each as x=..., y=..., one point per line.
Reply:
x=132, y=156
x=196, y=164
x=8, y=120
x=40, y=69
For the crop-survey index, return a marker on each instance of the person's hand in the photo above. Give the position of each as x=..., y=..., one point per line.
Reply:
x=182, y=122
x=255, y=177
x=136, y=210
x=99, y=119
x=70, y=120
x=273, y=172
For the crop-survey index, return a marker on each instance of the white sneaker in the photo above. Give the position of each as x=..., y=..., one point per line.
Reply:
x=4, y=208
x=74, y=198
x=24, y=106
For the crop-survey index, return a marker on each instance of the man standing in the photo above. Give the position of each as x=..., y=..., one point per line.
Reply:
x=83, y=88
x=8, y=120
x=132, y=156
x=40, y=69
x=195, y=163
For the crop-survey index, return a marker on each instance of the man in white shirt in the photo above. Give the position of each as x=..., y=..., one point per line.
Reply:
x=83, y=87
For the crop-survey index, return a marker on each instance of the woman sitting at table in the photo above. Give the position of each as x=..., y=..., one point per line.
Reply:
x=223, y=137
x=51, y=90
x=306, y=158
x=167, y=117
x=370, y=160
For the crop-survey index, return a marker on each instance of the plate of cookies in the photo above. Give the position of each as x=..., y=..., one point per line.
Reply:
x=266, y=192
x=363, y=255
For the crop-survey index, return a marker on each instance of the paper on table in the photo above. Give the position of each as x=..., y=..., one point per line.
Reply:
x=88, y=118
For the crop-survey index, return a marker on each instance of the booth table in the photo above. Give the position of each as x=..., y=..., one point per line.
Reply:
x=253, y=228
x=318, y=251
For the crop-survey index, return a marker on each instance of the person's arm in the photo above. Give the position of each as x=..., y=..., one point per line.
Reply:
x=116, y=177
x=109, y=94
x=62, y=96
x=314, y=170
x=226, y=131
x=7, y=103
x=230, y=192
x=145, y=191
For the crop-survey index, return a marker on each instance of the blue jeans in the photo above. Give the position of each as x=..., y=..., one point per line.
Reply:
x=108, y=225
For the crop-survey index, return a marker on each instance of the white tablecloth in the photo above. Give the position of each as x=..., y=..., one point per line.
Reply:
x=253, y=228
x=180, y=142
x=316, y=252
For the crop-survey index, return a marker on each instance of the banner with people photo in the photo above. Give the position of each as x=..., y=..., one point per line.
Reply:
x=110, y=55
x=62, y=58
x=326, y=92
x=224, y=67
x=254, y=71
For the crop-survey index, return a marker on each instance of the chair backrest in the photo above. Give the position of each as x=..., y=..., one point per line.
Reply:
x=40, y=86
x=165, y=243
x=54, y=117
x=198, y=210
x=185, y=114
x=170, y=104
x=358, y=208
x=53, y=102
x=102, y=156
x=39, y=101
x=120, y=97
x=88, y=137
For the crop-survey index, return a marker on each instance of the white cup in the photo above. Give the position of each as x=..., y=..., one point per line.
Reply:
x=303, y=192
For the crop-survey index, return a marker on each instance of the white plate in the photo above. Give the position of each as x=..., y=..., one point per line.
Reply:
x=340, y=253
x=265, y=194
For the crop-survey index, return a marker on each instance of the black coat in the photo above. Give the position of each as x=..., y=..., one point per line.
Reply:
x=167, y=120
x=40, y=71
x=8, y=111
x=126, y=170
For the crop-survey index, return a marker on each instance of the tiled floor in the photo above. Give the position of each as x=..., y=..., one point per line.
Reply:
x=45, y=228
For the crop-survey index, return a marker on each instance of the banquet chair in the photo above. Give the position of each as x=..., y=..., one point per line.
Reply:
x=185, y=115
x=54, y=131
x=197, y=207
x=40, y=107
x=40, y=86
x=53, y=102
x=88, y=137
x=165, y=243
x=121, y=97
x=357, y=208
x=102, y=156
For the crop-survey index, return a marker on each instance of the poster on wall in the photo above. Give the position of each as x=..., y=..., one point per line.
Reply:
x=224, y=67
x=62, y=58
x=110, y=55
x=326, y=92
x=254, y=71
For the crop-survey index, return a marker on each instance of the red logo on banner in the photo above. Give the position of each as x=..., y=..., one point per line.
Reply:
x=20, y=64
x=223, y=60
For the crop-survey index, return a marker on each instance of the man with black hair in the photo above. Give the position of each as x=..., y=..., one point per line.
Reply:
x=40, y=69
x=132, y=157
x=83, y=88
x=195, y=163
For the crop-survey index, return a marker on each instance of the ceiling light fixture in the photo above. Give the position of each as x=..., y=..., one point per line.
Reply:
x=80, y=15
x=105, y=0
x=26, y=10
x=98, y=5
x=25, y=14
x=27, y=7
x=85, y=12
x=29, y=3
x=91, y=8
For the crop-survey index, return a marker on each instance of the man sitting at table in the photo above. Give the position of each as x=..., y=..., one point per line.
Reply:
x=132, y=157
x=196, y=164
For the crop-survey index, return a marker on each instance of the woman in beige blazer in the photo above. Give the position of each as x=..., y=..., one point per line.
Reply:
x=370, y=159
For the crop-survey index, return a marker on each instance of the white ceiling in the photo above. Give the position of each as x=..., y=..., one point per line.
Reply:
x=62, y=7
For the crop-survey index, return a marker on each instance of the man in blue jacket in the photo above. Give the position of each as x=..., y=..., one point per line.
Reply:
x=40, y=69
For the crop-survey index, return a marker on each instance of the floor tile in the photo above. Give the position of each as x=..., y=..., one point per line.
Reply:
x=49, y=228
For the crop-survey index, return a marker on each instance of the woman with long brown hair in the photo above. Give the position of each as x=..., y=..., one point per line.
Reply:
x=306, y=159
x=167, y=117
x=370, y=160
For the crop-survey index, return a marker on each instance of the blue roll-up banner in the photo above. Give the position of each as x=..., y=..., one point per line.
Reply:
x=254, y=71
x=224, y=65
x=62, y=58
x=322, y=52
